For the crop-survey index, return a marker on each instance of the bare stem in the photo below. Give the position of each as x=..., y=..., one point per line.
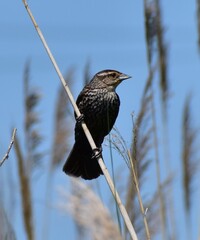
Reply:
x=6, y=156
x=85, y=129
x=143, y=211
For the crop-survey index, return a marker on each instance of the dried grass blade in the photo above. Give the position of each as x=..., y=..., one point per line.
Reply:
x=25, y=192
x=189, y=160
x=62, y=125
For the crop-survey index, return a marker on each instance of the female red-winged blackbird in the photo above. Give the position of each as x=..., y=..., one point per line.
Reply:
x=99, y=105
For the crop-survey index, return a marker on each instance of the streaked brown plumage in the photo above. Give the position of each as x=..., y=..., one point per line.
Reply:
x=99, y=104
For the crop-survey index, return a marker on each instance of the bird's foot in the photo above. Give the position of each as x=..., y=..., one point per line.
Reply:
x=80, y=119
x=97, y=153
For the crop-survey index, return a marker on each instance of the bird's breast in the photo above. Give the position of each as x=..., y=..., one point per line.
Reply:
x=100, y=109
x=101, y=103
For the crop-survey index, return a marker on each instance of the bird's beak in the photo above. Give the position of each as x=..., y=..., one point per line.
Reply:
x=124, y=77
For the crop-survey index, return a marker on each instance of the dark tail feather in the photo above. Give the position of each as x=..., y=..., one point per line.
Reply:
x=81, y=164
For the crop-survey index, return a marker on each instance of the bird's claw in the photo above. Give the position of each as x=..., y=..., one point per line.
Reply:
x=97, y=153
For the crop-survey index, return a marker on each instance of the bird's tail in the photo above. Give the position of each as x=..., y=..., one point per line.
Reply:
x=81, y=164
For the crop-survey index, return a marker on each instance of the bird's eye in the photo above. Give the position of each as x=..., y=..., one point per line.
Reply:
x=114, y=75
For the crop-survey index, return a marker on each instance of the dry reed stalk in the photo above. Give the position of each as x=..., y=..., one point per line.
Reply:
x=6, y=156
x=162, y=51
x=85, y=129
x=154, y=28
x=140, y=147
x=143, y=211
x=32, y=156
x=25, y=192
x=32, y=135
x=137, y=161
x=62, y=124
x=155, y=35
x=189, y=153
x=150, y=29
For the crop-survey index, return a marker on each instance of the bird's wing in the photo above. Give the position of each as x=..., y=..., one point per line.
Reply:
x=79, y=100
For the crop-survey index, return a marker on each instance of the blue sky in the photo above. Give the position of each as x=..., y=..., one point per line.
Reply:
x=110, y=34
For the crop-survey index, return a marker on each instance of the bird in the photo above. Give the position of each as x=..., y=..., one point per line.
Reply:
x=99, y=105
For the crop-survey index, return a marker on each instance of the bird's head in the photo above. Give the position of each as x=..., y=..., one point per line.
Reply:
x=110, y=78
